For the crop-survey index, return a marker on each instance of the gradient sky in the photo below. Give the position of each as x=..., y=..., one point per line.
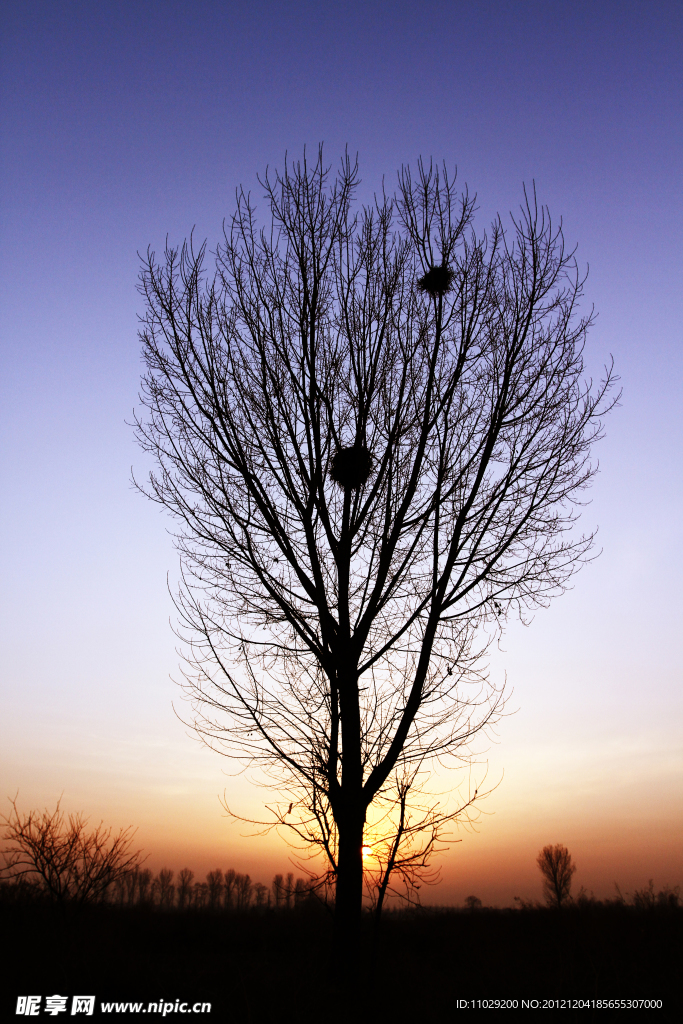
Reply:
x=123, y=122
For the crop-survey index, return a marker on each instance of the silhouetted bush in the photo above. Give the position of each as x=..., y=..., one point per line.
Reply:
x=62, y=858
x=665, y=899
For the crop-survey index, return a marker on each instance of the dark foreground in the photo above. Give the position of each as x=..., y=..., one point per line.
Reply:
x=279, y=967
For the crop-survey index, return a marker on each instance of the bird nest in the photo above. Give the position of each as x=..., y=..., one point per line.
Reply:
x=436, y=281
x=351, y=467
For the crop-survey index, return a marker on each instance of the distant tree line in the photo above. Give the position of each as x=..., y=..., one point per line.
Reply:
x=139, y=886
x=58, y=858
x=219, y=891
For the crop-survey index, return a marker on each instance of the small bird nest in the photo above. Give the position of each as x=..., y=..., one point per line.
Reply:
x=436, y=281
x=351, y=467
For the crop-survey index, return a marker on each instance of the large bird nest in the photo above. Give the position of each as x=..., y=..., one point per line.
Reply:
x=436, y=281
x=351, y=467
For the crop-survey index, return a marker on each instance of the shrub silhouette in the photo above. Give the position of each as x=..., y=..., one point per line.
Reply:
x=648, y=899
x=62, y=858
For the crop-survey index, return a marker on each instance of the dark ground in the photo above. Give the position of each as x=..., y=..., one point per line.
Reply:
x=272, y=967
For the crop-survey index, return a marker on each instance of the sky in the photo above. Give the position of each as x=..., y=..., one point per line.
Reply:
x=124, y=123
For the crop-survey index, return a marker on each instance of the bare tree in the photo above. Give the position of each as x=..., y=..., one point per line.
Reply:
x=144, y=886
x=228, y=887
x=214, y=882
x=200, y=892
x=289, y=890
x=278, y=891
x=70, y=863
x=243, y=888
x=185, y=877
x=121, y=888
x=164, y=889
x=261, y=894
x=557, y=868
x=131, y=884
x=301, y=891
x=373, y=429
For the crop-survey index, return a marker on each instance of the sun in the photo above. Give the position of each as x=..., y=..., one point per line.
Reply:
x=367, y=852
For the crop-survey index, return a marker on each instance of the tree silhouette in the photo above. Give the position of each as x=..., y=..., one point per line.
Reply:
x=144, y=880
x=164, y=889
x=373, y=429
x=261, y=894
x=70, y=863
x=185, y=877
x=278, y=891
x=289, y=890
x=557, y=868
x=228, y=887
x=200, y=892
x=131, y=884
x=214, y=883
x=243, y=888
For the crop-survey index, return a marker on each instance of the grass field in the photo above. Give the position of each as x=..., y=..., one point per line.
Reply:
x=278, y=966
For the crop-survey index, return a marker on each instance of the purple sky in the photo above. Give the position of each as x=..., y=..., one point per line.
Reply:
x=123, y=122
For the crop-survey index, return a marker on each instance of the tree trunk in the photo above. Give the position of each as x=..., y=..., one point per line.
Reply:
x=348, y=958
